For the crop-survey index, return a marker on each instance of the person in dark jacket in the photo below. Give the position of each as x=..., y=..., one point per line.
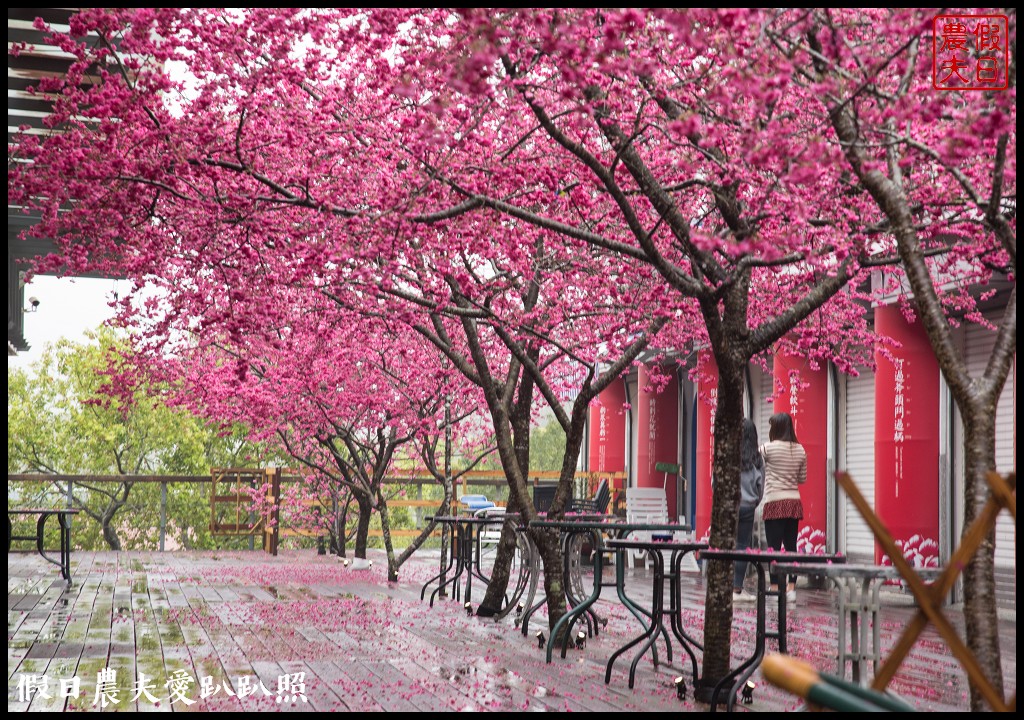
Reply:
x=751, y=489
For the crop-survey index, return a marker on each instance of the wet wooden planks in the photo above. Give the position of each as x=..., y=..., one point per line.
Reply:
x=248, y=627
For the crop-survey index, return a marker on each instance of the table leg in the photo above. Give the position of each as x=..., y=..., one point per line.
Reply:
x=638, y=612
x=65, y=546
x=841, y=657
x=859, y=619
x=856, y=649
x=780, y=630
x=40, y=530
x=478, y=556
x=876, y=648
x=468, y=559
x=572, y=615
x=528, y=613
x=657, y=617
x=531, y=608
x=676, y=612
x=459, y=561
x=523, y=579
x=441, y=576
x=735, y=679
x=571, y=567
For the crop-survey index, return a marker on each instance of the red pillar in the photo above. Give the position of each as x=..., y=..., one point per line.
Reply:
x=707, y=402
x=907, y=439
x=657, y=430
x=805, y=397
x=608, y=431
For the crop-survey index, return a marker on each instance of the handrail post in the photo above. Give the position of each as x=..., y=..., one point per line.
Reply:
x=163, y=513
x=446, y=538
x=418, y=510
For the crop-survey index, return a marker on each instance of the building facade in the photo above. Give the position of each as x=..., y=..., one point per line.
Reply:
x=895, y=430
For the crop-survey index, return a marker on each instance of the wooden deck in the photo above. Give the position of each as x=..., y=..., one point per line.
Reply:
x=364, y=645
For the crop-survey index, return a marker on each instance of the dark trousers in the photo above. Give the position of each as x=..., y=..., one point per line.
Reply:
x=781, y=533
x=744, y=535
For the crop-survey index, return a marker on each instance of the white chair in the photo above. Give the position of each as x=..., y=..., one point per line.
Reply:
x=645, y=505
x=689, y=563
x=490, y=534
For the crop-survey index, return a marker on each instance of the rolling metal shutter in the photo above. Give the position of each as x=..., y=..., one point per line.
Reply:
x=760, y=388
x=978, y=343
x=857, y=457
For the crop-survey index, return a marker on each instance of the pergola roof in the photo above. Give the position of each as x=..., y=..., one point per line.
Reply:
x=26, y=109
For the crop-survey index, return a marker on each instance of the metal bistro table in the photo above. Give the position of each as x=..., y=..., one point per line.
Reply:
x=464, y=557
x=63, y=520
x=572, y=562
x=573, y=531
x=655, y=550
x=859, y=587
x=760, y=560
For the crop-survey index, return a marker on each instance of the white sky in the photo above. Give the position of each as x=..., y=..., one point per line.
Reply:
x=68, y=307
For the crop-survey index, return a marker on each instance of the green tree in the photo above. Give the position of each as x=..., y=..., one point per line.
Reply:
x=547, y=447
x=78, y=410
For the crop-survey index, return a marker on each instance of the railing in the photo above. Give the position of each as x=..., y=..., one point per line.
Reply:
x=181, y=512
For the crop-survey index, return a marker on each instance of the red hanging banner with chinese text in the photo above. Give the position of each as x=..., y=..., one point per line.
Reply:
x=607, y=441
x=657, y=422
x=805, y=397
x=907, y=439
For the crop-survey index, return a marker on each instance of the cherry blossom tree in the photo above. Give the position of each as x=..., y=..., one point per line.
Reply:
x=569, y=137
x=936, y=170
x=657, y=137
x=760, y=161
x=544, y=319
x=345, y=395
x=523, y=188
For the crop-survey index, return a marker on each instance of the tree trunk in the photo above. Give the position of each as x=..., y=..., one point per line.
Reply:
x=982, y=633
x=570, y=458
x=549, y=547
x=501, y=573
x=109, y=531
x=117, y=501
x=363, y=523
x=446, y=508
x=339, y=535
x=519, y=419
x=724, y=518
x=417, y=542
x=389, y=548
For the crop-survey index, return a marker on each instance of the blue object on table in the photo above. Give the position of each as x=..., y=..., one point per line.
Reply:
x=476, y=502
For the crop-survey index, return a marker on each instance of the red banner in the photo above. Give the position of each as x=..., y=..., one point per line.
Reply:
x=657, y=422
x=607, y=440
x=805, y=397
x=907, y=439
x=707, y=402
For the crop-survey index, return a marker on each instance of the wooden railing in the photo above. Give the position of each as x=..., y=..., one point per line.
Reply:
x=232, y=489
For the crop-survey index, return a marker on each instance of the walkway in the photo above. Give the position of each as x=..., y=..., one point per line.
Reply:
x=241, y=619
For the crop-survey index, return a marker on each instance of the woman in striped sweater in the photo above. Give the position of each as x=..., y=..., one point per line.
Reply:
x=785, y=471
